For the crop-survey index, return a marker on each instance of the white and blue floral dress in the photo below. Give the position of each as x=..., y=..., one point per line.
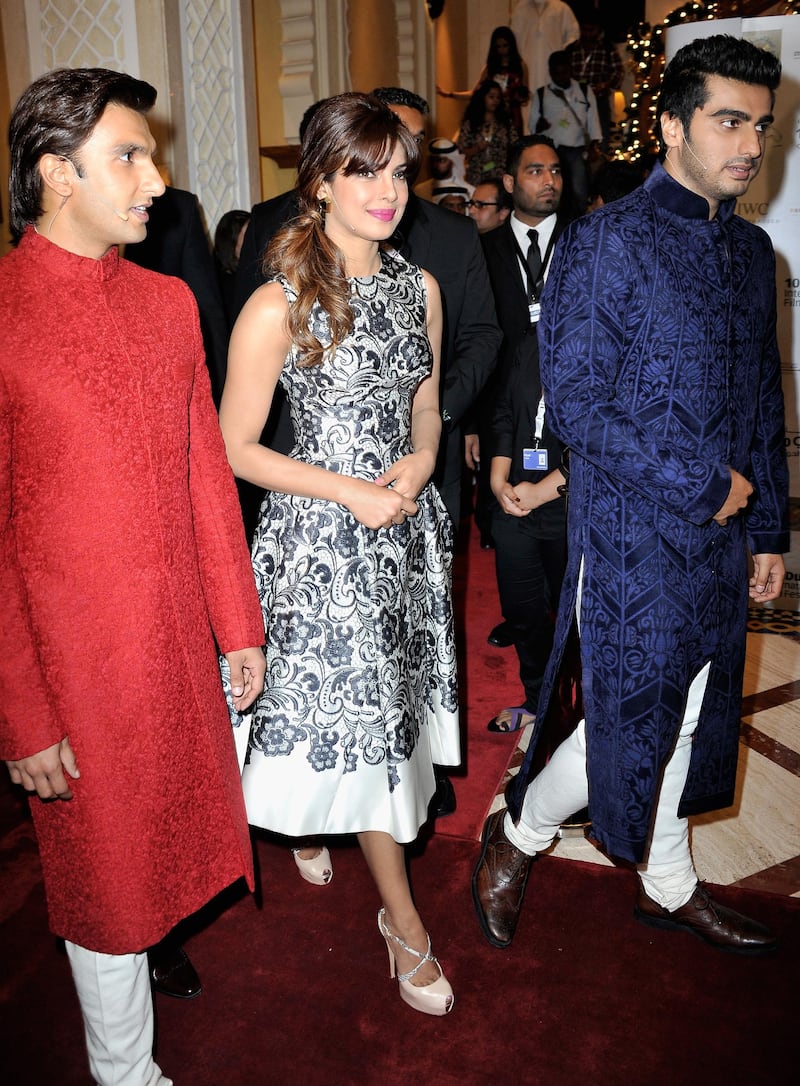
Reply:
x=360, y=697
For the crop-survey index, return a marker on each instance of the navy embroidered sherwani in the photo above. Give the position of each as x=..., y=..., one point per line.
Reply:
x=660, y=367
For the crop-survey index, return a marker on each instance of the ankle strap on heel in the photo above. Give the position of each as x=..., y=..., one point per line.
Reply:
x=426, y=957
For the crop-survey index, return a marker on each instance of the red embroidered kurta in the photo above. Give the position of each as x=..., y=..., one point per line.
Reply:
x=123, y=558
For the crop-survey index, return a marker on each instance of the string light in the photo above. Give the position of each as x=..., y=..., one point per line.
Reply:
x=645, y=47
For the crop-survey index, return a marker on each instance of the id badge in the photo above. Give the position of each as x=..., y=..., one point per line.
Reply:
x=534, y=311
x=534, y=459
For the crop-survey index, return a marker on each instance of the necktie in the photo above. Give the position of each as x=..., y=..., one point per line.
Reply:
x=534, y=257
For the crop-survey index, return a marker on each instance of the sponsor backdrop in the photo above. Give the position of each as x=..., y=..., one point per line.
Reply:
x=773, y=202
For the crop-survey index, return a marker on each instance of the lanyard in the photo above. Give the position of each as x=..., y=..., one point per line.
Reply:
x=538, y=428
x=535, y=289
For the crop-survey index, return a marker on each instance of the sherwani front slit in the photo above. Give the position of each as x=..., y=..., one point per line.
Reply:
x=661, y=373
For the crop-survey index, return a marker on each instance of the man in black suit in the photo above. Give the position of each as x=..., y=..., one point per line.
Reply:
x=447, y=245
x=529, y=551
x=176, y=244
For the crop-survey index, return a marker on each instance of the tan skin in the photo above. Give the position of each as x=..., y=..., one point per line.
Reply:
x=489, y=217
x=717, y=158
x=86, y=213
x=259, y=345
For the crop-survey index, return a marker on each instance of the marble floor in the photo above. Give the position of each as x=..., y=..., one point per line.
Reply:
x=755, y=843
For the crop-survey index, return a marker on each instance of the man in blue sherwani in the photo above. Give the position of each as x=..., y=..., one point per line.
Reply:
x=661, y=373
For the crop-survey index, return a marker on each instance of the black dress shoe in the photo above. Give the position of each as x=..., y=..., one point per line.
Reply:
x=715, y=924
x=498, y=883
x=501, y=636
x=172, y=972
x=444, y=798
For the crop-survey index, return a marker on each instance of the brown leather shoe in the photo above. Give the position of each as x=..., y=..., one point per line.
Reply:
x=498, y=883
x=715, y=924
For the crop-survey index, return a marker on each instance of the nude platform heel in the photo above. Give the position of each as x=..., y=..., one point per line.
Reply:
x=436, y=998
x=318, y=870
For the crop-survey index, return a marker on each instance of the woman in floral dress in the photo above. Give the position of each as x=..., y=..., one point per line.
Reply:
x=352, y=550
x=486, y=134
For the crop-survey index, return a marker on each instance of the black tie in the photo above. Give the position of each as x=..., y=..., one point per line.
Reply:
x=534, y=257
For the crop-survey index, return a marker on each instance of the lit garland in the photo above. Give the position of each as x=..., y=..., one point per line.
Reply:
x=645, y=46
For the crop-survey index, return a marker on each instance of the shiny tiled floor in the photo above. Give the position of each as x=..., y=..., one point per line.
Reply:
x=755, y=843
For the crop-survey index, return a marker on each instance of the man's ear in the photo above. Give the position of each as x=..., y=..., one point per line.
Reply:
x=671, y=129
x=508, y=182
x=58, y=174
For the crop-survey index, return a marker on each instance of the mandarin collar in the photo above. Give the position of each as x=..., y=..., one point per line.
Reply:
x=69, y=265
x=675, y=197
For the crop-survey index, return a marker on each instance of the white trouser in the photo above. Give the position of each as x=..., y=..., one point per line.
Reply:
x=562, y=788
x=117, y=1006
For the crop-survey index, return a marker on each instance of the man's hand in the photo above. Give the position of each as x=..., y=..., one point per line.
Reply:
x=738, y=496
x=43, y=773
x=472, y=451
x=248, y=667
x=767, y=580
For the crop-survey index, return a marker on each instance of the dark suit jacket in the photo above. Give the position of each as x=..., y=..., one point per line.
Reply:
x=510, y=299
x=176, y=244
x=511, y=304
x=446, y=245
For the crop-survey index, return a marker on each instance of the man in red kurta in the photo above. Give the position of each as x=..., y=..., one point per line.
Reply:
x=124, y=566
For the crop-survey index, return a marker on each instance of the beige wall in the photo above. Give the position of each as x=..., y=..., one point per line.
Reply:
x=267, y=42
x=452, y=70
x=373, y=56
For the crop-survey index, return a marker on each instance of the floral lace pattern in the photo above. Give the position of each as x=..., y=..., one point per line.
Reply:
x=359, y=625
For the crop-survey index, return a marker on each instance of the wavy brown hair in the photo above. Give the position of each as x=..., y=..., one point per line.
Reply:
x=348, y=133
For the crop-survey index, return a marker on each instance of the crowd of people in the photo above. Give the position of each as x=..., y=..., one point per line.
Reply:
x=627, y=421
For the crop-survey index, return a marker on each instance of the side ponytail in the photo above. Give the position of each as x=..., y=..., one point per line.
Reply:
x=314, y=268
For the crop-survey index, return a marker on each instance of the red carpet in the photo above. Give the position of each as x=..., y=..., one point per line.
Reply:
x=297, y=992
x=489, y=681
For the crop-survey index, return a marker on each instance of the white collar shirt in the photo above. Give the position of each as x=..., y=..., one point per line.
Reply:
x=544, y=231
x=569, y=127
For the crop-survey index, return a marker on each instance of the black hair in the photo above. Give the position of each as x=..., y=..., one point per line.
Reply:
x=684, y=85
x=306, y=119
x=399, y=96
x=225, y=237
x=615, y=179
x=56, y=115
x=503, y=197
x=476, y=109
x=561, y=56
x=348, y=133
x=516, y=150
x=493, y=57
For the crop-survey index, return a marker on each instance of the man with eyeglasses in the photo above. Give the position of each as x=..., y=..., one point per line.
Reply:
x=490, y=205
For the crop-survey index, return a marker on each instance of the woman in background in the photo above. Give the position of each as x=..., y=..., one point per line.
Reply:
x=486, y=134
x=228, y=238
x=351, y=553
x=506, y=67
